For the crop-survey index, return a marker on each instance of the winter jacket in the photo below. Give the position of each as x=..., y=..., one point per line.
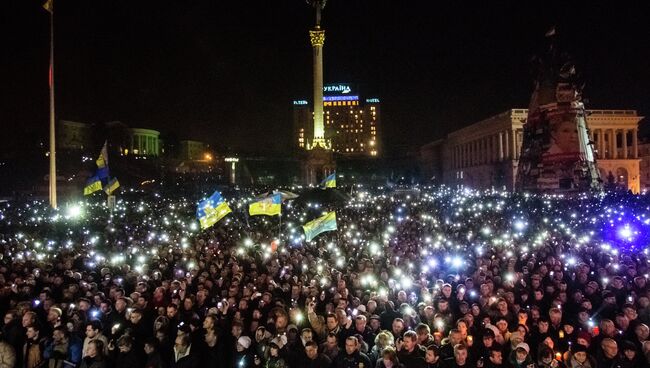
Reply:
x=7, y=355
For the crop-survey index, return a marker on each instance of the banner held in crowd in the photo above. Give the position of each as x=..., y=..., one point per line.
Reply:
x=211, y=210
x=327, y=222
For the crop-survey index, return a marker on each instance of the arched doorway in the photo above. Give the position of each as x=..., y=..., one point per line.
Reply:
x=622, y=178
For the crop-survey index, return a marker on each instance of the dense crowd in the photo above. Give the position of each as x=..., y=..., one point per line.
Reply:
x=417, y=277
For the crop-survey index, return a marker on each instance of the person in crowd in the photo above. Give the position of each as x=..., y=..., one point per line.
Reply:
x=520, y=357
x=93, y=331
x=34, y=347
x=352, y=356
x=314, y=359
x=410, y=353
x=432, y=357
x=580, y=358
x=153, y=357
x=184, y=357
x=389, y=359
x=7, y=354
x=63, y=350
x=95, y=357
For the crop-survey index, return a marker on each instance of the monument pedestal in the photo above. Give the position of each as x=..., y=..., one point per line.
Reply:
x=316, y=165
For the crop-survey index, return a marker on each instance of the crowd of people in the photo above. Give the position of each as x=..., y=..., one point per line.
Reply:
x=418, y=277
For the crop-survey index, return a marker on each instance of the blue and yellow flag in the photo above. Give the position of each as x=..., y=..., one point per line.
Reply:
x=285, y=194
x=327, y=222
x=102, y=160
x=271, y=206
x=330, y=181
x=111, y=186
x=93, y=185
x=211, y=210
x=49, y=5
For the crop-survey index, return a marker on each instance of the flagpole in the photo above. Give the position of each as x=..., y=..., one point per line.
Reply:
x=53, y=201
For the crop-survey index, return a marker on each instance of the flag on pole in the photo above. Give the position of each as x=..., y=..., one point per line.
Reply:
x=101, y=179
x=93, y=185
x=327, y=222
x=211, y=210
x=271, y=206
x=102, y=160
x=111, y=186
x=330, y=181
x=49, y=5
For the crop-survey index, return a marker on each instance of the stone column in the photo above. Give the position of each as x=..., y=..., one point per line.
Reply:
x=635, y=143
x=463, y=155
x=614, y=145
x=317, y=39
x=500, y=146
x=601, y=144
x=513, y=141
x=507, y=145
x=491, y=148
x=472, y=148
x=624, y=141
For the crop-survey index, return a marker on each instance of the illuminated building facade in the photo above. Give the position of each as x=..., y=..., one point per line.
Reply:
x=74, y=135
x=192, y=150
x=486, y=154
x=143, y=142
x=352, y=124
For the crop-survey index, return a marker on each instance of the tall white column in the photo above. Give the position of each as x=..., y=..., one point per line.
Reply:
x=513, y=133
x=624, y=141
x=317, y=38
x=601, y=144
x=635, y=143
x=614, y=146
x=500, y=146
x=507, y=144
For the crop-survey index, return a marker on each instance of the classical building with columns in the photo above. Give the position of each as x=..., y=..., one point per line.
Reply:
x=485, y=154
x=143, y=142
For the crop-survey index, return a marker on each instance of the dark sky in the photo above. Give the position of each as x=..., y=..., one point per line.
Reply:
x=226, y=71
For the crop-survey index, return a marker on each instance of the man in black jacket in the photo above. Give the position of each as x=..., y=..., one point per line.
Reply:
x=352, y=358
x=313, y=359
x=411, y=354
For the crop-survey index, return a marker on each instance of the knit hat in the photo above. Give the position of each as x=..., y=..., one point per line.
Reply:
x=584, y=335
x=279, y=341
x=523, y=345
x=577, y=348
x=244, y=341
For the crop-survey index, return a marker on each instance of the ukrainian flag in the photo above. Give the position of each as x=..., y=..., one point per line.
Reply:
x=271, y=206
x=211, y=210
x=322, y=224
x=111, y=186
x=102, y=160
x=49, y=5
x=330, y=181
x=93, y=185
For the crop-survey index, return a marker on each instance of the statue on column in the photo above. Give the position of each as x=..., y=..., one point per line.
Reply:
x=556, y=154
x=319, y=5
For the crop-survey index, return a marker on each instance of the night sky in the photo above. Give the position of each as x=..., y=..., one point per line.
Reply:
x=226, y=71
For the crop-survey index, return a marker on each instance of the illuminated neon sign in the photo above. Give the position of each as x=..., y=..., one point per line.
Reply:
x=372, y=100
x=340, y=98
x=300, y=102
x=337, y=88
